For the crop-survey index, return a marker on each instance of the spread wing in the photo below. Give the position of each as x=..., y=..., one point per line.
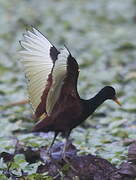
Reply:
x=38, y=56
x=46, y=69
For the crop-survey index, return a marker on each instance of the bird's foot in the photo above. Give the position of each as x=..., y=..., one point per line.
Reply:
x=67, y=161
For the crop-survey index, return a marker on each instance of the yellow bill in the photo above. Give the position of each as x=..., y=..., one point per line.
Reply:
x=116, y=101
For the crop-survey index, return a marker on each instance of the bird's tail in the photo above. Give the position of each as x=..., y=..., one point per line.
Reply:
x=42, y=126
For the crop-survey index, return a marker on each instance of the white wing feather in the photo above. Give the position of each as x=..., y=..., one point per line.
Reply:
x=37, y=64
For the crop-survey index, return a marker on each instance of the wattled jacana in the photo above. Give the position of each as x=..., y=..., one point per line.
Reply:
x=52, y=85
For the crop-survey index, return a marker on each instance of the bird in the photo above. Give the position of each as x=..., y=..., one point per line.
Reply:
x=52, y=77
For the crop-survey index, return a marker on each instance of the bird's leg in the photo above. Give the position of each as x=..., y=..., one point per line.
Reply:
x=54, y=138
x=65, y=144
x=64, y=152
x=49, y=153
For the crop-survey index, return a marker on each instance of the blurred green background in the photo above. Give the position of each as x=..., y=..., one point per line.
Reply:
x=101, y=35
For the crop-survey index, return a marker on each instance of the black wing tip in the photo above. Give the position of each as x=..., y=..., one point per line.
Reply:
x=20, y=42
x=34, y=28
x=67, y=49
x=54, y=53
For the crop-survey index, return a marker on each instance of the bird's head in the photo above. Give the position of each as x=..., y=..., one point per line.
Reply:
x=110, y=93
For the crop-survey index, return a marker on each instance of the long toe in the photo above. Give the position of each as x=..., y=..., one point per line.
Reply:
x=65, y=158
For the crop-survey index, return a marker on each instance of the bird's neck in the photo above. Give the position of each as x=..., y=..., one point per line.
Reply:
x=96, y=101
x=92, y=104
